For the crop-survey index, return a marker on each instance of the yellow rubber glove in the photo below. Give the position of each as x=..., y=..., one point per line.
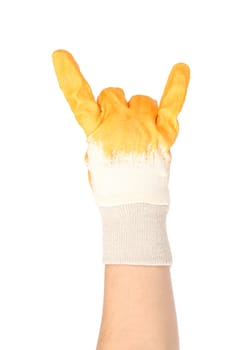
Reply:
x=128, y=159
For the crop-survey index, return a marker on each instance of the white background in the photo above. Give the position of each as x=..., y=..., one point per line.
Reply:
x=51, y=275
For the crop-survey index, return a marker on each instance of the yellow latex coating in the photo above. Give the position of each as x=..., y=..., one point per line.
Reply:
x=76, y=90
x=139, y=125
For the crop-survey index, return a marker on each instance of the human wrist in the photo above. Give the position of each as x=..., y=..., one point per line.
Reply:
x=138, y=311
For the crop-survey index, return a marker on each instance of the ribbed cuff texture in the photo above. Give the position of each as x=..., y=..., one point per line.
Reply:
x=135, y=234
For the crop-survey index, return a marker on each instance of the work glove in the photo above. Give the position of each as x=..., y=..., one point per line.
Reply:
x=128, y=158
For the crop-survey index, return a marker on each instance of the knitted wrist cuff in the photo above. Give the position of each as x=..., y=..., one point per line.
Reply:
x=135, y=234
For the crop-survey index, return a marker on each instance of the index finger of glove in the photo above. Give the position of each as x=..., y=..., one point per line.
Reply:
x=76, y=90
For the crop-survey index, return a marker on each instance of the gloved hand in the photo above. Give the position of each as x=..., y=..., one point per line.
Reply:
x=128, y=159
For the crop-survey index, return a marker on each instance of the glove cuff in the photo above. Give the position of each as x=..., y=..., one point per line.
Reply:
x=135, y=234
